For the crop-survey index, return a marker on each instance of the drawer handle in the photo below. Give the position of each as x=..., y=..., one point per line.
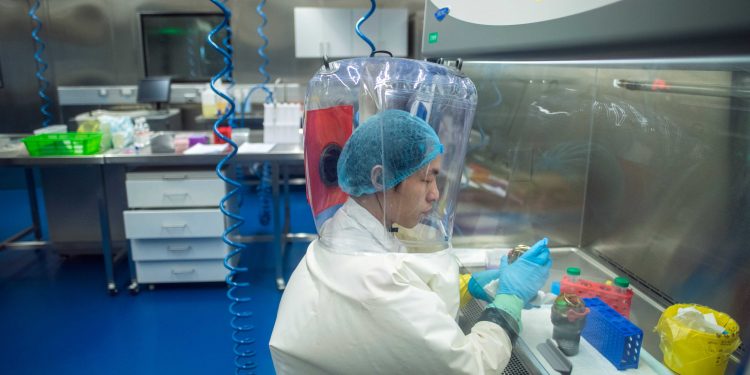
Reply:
x=173, y=177
x=186, y=248
x=173, y=196
x=182, y=272
x=174, y=226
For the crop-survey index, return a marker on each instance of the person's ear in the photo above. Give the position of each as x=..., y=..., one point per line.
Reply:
x=376, y=177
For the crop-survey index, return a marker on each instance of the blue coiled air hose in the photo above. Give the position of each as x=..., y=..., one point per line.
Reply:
x=265, y=192
x=229, y=78
x=262, y=51
x=41, y=65
x=359, y=24
x=262, y=67
x=240, y=321
x=264, y=188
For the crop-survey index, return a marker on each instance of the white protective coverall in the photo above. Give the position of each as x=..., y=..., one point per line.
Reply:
x=357, y=306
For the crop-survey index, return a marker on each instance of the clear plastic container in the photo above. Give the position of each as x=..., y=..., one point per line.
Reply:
x=240, y=135
x=59, y=128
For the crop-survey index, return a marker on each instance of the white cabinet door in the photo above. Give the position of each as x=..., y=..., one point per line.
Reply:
x=184, y=223
x=308, y=35
x=178, y=249
x=393, y=31
x=330, y=31
x=181, y=271
x=337, y=32
x=387, y=28
x=172, y=189
x=319, y=31
x=370, y=28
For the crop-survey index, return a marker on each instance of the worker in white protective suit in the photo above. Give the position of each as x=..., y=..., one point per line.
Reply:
x=373, y=295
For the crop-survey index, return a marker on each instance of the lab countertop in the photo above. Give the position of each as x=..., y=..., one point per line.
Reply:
x=144, y=157
x=130, y=156
x=23, y=159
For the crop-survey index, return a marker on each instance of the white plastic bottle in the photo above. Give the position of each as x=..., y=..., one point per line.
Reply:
x=142, y=133
x=212, y=105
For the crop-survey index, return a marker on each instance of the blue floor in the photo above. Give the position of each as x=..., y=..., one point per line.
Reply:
x=57, y=318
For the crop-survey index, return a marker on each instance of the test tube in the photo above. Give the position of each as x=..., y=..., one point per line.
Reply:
x=573, y=274
x=622, y=284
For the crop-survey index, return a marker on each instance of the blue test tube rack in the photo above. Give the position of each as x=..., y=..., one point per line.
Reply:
x=615, y=337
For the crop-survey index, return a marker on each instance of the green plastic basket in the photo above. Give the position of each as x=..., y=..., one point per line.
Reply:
x=59, y=144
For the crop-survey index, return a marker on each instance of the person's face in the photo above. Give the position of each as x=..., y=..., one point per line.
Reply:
x=414, y=197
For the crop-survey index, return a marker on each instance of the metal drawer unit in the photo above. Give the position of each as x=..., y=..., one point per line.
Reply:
x=174, y=227
x=178, y=249
x=173, y=189
x=181, y=271
x=176, y=223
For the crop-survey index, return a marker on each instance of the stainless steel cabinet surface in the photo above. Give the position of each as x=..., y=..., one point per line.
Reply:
x=643, y=164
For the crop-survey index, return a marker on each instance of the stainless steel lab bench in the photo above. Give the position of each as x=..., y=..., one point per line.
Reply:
x=280, y=157
x=527, y=359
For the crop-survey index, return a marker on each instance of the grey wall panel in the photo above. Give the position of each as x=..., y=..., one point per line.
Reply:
x=81, y=40
x=97, y=42
x=71, y=203
x=19, y=102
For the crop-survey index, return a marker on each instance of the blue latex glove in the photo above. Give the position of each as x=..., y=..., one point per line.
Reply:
x=479, y=280
x=527, y=274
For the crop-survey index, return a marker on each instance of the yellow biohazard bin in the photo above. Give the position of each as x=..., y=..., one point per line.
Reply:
x=688, y=351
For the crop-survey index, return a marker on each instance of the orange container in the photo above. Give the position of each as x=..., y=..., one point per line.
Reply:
x=226, y=131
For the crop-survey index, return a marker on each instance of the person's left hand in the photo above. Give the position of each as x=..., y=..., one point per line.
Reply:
x=524, y=277
x=479, y=281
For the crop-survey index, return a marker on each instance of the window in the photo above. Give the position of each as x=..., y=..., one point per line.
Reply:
x=175, y=45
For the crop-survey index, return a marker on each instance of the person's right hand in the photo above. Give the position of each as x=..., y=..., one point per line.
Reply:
x=527, y=274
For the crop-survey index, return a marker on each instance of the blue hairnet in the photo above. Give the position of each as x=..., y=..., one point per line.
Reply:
x=395, y=139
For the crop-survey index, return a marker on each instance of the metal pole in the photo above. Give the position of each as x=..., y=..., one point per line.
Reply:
x=280, y=283
x=33, y=202
x=106, y=237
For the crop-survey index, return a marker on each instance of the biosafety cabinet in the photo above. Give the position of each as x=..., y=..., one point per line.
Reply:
x=618, y=129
